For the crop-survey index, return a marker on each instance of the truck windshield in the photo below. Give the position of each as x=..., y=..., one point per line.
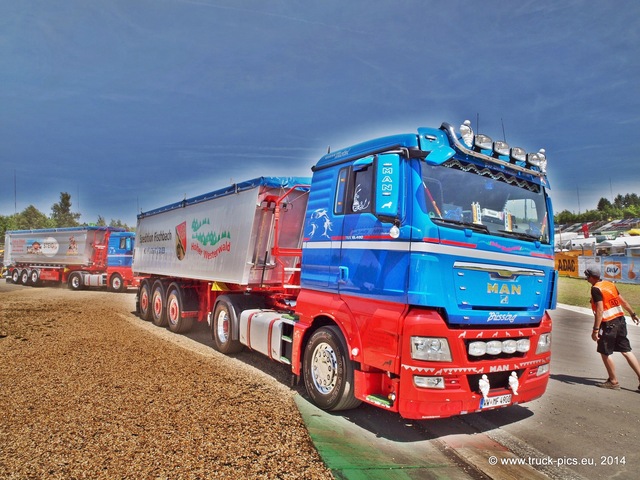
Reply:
x=463, y=195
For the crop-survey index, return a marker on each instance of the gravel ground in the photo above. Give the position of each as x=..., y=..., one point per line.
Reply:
x=87, y=391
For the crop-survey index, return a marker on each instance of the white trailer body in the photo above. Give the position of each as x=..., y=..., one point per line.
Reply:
x=63, y=246
x=223, y=236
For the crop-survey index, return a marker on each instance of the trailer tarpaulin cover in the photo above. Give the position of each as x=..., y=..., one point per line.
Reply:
x=220, y=236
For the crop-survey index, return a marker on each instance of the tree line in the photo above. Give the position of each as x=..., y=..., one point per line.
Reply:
x=61, y=216
x=623, y=206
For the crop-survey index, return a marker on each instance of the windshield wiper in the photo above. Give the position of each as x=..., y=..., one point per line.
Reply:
x=521, y=235
x=478, y=227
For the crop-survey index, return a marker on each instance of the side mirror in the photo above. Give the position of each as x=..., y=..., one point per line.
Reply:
x=387, y=186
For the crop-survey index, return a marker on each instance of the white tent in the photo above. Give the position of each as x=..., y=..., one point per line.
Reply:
x=620, y=244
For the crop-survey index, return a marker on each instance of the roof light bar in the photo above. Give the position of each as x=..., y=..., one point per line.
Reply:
x=484, y=145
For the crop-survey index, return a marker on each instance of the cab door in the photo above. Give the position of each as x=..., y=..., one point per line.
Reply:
x=373, y=261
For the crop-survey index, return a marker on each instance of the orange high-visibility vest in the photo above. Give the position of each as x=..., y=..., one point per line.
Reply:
x=610, y=299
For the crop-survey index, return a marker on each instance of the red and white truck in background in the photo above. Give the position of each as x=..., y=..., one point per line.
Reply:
x=78, y=256
x=412, y=272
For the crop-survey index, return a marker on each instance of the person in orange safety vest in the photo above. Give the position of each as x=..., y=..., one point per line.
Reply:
x=610, y=326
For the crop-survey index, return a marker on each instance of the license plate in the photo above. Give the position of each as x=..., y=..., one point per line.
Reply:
x=499, y=401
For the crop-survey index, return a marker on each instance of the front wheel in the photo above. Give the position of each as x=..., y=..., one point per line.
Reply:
x=15, y=276
x=75, y=281
x=116, y=284
x=328, y=373
x=222, y=328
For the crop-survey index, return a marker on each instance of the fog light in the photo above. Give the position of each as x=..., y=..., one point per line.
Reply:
x=428, y=382
x=542, y=369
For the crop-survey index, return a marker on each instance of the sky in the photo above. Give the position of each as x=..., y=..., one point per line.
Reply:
x=129, y=105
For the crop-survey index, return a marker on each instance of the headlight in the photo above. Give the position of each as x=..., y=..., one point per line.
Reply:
x=432, y=349
x=544, y=343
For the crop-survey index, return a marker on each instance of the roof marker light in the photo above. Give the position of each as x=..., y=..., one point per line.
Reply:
x=501, y=148
x=518, y=154
x=538, y=160
x=483, y=142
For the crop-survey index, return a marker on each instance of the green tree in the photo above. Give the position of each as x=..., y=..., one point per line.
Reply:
x=31, y=218
x=7, y=223
x=604, y=204
x=119, y=224
x=101, y=221
x=61, y=212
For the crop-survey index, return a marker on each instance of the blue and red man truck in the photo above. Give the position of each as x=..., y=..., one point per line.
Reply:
x=412, y=272
x=85, y=256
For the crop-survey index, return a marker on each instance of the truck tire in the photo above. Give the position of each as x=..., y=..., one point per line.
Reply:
x=15, y=276
x=144, y=300
x=116, y=284
x=158, y=310
x=175, y=322
x=327, y=371
x=222, y=326
x=75, y=281
x=24, y=277
x=34, y=278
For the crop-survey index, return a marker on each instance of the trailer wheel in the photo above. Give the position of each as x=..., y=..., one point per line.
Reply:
x=144, y=300
x=177, y=324
x=221, y=329
x=34, y=278
x=327, y=371
x=15, y=275
x=158, y=310
x=115, y=283
x=75, y=281
x=24, y=277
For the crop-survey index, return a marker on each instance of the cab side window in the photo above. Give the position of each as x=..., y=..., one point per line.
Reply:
x=361, y=192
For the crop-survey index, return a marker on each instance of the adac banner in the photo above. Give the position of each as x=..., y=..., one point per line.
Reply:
x=567, y=264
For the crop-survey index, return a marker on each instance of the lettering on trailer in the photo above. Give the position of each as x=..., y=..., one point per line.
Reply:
x=147, y=237
x=202, y=237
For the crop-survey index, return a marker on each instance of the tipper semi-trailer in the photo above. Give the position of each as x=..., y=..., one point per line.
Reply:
x=78, y=256
x=412, y=272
